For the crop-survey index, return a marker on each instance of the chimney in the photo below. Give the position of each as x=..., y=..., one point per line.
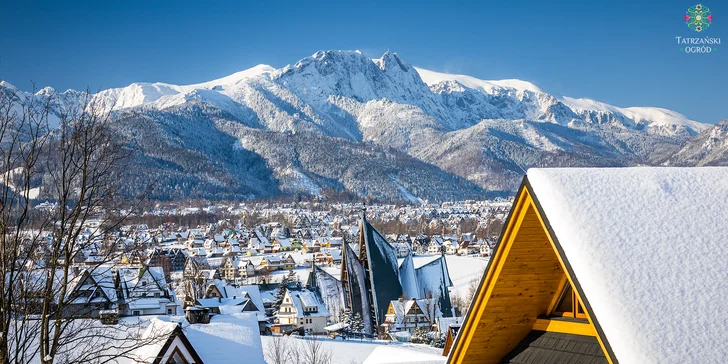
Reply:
x=198, y=315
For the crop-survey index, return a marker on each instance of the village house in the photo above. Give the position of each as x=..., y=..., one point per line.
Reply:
x=485, y=249
x=126, y=291
x=271, y=263
x=334, y=242
x=435, y=245
x=234, y=268
x=302, y=308
x=229, y=268
x=407, y=315
x=133, y=257
x=402, y=249
x=450, y=247
x=282, y=245
x=311, y=246
x=170, y=260
x=144, y=292
x=92, y=291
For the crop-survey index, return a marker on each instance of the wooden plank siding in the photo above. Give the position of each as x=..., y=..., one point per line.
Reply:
x=521, y=284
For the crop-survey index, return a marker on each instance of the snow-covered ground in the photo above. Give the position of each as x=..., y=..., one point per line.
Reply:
x=464, y=269
x=355, y=351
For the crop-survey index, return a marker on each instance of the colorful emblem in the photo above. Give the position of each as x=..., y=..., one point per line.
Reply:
x=698, y=17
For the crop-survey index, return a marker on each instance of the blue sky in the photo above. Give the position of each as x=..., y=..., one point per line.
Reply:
x=619, y=52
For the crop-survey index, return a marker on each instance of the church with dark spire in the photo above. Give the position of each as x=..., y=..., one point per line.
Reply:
x=372, y=276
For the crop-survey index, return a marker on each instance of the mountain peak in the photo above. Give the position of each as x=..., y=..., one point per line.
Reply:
x=8, y=85
x=392, y=61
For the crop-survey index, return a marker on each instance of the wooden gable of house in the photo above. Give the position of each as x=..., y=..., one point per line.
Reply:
x=213, y=292
x=145, y=272
x=177, y=350
x=529, y=307
x=414, y=309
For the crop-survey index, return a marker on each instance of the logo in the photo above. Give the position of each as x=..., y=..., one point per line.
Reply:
x=698, y=18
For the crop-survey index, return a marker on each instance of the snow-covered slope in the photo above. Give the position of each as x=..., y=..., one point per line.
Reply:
x=434, y=78
x=487, y=132
x=654, y=120
x=709, y=148
x=657, y=120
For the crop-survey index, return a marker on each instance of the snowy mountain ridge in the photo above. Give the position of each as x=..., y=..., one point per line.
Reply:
x=315, y=78
x=400, y=132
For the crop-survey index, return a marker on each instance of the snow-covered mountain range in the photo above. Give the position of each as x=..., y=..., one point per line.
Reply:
x=338, y=120
x=709, y=148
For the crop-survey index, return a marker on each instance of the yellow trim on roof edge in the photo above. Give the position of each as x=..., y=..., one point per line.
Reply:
x=475, y=312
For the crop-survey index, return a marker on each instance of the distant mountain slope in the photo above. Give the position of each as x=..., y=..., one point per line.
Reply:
x=709, y=148
x=377, y=128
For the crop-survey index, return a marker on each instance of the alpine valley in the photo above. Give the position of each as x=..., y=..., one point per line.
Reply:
x=376, y=128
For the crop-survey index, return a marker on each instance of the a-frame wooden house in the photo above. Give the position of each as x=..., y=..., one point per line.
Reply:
x=588, y=270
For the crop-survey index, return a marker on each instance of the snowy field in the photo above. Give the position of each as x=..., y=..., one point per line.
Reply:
x=355, y=351
x=463, y=270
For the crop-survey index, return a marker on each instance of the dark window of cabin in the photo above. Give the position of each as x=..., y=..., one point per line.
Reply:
x=569, y=304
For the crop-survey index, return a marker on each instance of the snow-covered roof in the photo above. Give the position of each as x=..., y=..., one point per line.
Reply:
x=146, y=303
x=226, y=339
x=648, y=248
x=301, y=299
x=253, y=292
x=391, y=354
x=219, y=302
x=308, y=299
x=103, y=277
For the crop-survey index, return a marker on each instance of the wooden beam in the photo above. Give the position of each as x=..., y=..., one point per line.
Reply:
x=565, y=327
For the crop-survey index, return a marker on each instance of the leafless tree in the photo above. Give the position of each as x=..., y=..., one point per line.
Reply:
x=278, y=350
x=23, y=135
x=60, y=150
x=314, y=352
x=432, y=305
x=294, y=352
x=473, y=286
x=458, y=303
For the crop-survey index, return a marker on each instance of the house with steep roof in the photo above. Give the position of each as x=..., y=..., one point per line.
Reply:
x=92, y=291
x=586, y=271
x=408, y=315
x=145, y=292
x=303, y=308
